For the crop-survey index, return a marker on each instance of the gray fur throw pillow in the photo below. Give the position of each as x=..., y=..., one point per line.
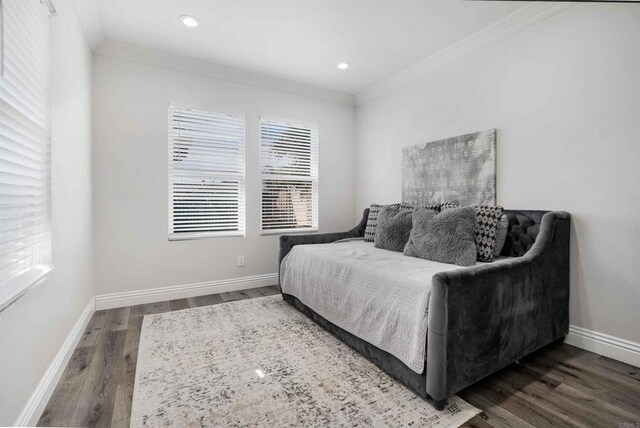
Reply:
x=448, y=237
x=372, y=221
x=488, y=217
x=393, y=229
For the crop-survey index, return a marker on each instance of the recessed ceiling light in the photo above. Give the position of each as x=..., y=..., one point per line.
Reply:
x=189, y=21
x=343, y=66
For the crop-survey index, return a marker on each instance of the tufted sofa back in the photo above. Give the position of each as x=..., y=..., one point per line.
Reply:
x=523, y=230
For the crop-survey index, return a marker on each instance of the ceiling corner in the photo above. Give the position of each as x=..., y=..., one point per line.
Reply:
x=529, y=15
x=90, y=21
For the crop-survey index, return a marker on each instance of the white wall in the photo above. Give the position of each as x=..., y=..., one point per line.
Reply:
x=564, y=96
x=33, y=329
x=130, y=160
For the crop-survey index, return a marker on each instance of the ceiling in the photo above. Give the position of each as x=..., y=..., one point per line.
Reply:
x=302, y=40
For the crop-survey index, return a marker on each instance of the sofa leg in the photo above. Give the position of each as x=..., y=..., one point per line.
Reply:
x=439, y=404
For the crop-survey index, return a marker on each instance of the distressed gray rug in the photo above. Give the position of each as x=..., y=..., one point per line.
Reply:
x=260, y=362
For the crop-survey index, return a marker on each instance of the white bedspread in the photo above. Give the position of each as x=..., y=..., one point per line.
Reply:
x=377, y=295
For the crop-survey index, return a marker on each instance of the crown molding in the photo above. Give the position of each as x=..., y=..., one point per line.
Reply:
x=90, y=20
x=519, y=20
x=131, y=53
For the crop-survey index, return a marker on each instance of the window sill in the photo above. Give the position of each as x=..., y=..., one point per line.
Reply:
x=287, y=231
x=191, y=236
x=17, y=287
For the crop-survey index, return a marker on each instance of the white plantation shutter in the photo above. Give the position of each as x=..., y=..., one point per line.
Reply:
x=25, y=227
x=206, y=174
x=289, y=167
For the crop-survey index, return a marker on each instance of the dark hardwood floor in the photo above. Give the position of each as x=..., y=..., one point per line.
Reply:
x=557, y=386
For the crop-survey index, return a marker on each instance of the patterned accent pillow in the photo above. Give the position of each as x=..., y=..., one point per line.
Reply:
x=487, y=218
x=447, y=205
x=372, y=221
x=410, y=206
x=407, y=206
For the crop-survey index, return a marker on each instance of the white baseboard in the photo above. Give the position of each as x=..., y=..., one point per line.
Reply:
x=604, y=344
x=129, y=298
x=40, y=397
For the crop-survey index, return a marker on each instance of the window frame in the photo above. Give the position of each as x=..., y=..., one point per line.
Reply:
x=19, y=282
x=242, y=194
x=314, y=180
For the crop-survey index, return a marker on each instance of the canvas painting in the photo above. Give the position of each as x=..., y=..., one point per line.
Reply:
x=459, y=169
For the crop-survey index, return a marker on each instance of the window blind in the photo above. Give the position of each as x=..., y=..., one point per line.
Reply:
x=206, y=174
x=25, y=231
x=289, y=168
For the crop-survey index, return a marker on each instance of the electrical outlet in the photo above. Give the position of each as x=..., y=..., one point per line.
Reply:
x=240, y=261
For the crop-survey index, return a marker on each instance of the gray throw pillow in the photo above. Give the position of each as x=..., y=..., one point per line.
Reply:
x=393, y=229
x=501, y=235
x=448, y=237
x=488, y=217
x=372, y=221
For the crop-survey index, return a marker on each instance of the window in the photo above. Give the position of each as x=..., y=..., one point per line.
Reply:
x=25, y=226
x=289, y=167
x=206, y=174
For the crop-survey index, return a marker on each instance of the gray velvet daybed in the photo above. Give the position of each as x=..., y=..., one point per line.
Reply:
x=481, y=318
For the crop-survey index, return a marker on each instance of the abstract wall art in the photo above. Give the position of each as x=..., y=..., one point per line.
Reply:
x=459, y=169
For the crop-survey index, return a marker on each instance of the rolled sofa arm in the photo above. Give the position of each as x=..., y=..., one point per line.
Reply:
x=287, y=242
x=485, y=317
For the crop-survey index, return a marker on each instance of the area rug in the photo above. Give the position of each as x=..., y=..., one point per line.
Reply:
x=260, y=362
